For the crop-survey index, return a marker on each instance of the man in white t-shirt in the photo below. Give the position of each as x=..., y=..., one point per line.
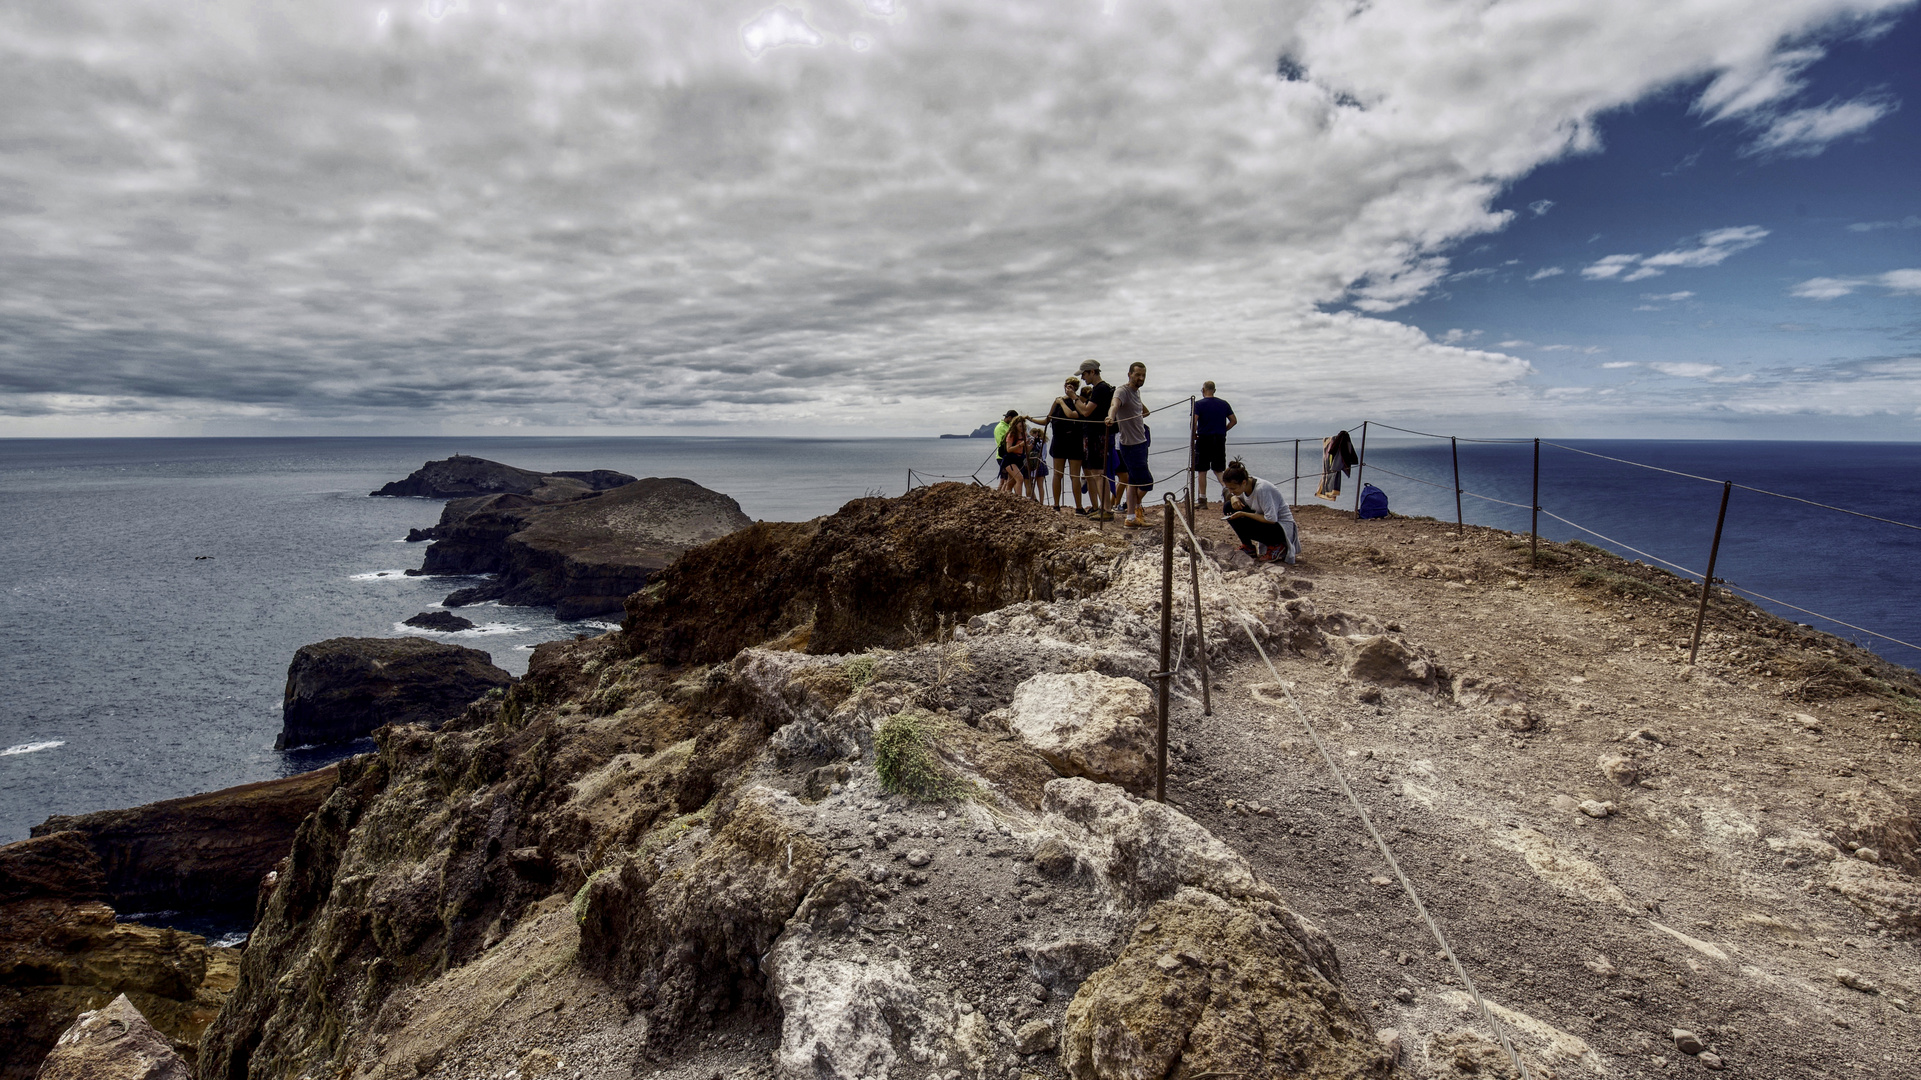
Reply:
x=1258, y=513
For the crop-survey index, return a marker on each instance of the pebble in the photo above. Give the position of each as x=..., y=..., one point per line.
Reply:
x=1867, y=854
x=1390, y=1043
x=1712, y=1061
x=1380, y=881
x=1404, y=995
x=918, y=857
x=1855, y=981
x=1034, y=1037
x=1688, y=1042
x=1595, y=809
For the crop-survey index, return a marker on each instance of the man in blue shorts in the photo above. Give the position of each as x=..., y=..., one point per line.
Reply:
x=1213, y=419
x=1093, y=407
x=1129, y=417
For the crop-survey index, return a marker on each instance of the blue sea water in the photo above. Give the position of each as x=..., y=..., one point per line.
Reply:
x=155, y=589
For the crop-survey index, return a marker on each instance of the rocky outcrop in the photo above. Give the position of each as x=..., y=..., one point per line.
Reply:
x=1088, y=724
x=585, y=556
x=880, y=572
x=199, y=853
x=443, y=621
x=462, y=475
x=342, y=689
x=113, y=1042
x=62, y=952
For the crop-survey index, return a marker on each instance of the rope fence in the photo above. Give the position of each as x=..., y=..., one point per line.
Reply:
x=1707, y=580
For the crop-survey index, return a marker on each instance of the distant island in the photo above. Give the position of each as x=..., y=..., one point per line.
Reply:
x=985, y=431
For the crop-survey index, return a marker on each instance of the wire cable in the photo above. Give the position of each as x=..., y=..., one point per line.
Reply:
x=1825, y=506
x=1379, y=842
x=1829, y=618
x=1617, y=543
x=1636, y=464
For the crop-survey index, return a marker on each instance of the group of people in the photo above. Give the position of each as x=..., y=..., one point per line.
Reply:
x=1097, y=437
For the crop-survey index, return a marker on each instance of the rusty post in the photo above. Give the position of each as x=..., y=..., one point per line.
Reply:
x=1360, y=470
x=1455, y=445
x=1297, y=472
x=1167, y=646
x=1707, y=583
x=1534, y=522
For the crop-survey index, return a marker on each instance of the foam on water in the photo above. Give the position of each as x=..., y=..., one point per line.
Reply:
x=30, y=747
x=404, y=630
x=375, y=575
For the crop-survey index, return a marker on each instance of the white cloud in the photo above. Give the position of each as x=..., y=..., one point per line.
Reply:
x=1912, y=221
x=1671, y=298
x=1541, y=206
x=725, y=213
x=1685, y=371
x=1805, y=132
x=1611, y=266
x=1546, y=272
x=1754, y=86
x=1898, y=282
x=1622, y=364
x=1709, y=249
x=1457, y=335
x=1513, y=343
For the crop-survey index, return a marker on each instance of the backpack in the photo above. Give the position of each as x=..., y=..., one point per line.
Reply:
x=1373, y=502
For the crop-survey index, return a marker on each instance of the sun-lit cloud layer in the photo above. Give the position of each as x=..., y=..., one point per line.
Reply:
x=888, y=215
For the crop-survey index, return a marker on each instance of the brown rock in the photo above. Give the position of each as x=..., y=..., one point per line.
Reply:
x=1219, y=988
x=1389, y=658
x=342, y=689
x=114, y=1042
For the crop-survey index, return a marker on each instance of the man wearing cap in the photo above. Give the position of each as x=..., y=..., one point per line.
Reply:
x=1094, y=408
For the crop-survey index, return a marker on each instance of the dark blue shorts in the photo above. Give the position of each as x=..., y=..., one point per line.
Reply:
x=1134, y=464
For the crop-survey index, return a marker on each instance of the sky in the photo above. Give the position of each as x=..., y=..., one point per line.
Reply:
x=1643, y=218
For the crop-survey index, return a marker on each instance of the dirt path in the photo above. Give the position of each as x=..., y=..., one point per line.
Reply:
x=1718, y=897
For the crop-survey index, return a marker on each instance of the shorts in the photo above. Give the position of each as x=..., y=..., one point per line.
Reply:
x=1210, y=452
x=1098, y=444
x=1134, y=464
x=1069, y=445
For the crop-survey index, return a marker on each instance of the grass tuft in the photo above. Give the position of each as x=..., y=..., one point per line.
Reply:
x=860, y=671
x=904, y=759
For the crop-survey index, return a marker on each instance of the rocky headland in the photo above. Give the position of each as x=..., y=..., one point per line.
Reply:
x=583, y=556
x=463, y=476
x=862, y=797
x=342, y=689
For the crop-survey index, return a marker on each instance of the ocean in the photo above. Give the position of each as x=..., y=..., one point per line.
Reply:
x=156, y=589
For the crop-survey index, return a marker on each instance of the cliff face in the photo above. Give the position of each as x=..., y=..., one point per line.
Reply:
x=199, y=853
x=341, y=689
x=583, y=557
x=62, y=953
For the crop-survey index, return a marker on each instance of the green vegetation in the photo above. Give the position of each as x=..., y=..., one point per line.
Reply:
x=860, y=671
x=580, y=896
x=1589, y=577
x=904, y=759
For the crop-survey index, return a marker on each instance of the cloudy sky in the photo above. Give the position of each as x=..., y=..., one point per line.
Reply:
x=1638, y=217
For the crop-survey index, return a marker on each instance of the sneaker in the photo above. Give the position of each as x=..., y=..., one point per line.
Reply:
x=1105, y=515
x=1203, y=503
x=1080, y=511
x=1269, y=556
x=1133, y=523
x=1249, y=548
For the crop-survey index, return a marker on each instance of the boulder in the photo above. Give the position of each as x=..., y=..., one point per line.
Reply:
x=1210, y=987
x=1088, y=724
x=63, y=952
x=583, y=556
x=462, y=475
x=443, y=621
x=113, y=1042
x=1388, y=658
x=342, y=689
x=199, y=853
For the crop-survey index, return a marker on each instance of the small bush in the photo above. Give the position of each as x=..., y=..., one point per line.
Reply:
x=1589, y=577
x=860, y=670
x=904, y=759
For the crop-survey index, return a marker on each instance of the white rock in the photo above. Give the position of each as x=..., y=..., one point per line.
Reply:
x=1088, y=724
x=1595, y=809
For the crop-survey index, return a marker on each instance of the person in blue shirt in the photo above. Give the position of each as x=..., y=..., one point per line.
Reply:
x=1213, y=419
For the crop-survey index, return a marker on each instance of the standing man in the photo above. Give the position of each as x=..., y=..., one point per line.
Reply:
x=1094, y=408
x=1129, y=417
x=1213, y=419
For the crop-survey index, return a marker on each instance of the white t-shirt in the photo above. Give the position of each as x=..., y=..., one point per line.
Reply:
x=1270, y=503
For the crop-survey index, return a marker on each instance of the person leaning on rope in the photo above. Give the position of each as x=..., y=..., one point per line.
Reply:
x=1257, y=512
x=1094, y=409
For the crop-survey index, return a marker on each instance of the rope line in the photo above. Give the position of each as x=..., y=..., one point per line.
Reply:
x=1825, y=506
x=1379, y=842
x=1431, y=435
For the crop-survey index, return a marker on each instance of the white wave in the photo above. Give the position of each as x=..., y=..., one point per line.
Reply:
x=598, y=625
x=30, y=747
x=373, y=575
x=477, y=631
x=230, y=941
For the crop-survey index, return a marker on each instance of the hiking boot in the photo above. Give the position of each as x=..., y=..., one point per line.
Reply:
x=1133, y=523
x=1203, y=503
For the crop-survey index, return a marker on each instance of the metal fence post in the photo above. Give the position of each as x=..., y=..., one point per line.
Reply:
x=1707, y=582
x=1534, y=521
x=1167, y=643
x=1297, y=472
x=1360, y=470
x=1455, y=445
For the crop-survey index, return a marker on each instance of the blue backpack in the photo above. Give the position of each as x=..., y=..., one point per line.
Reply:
x=1373, y=502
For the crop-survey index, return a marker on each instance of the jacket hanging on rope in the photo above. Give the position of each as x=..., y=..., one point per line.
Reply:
x=1337, y=459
